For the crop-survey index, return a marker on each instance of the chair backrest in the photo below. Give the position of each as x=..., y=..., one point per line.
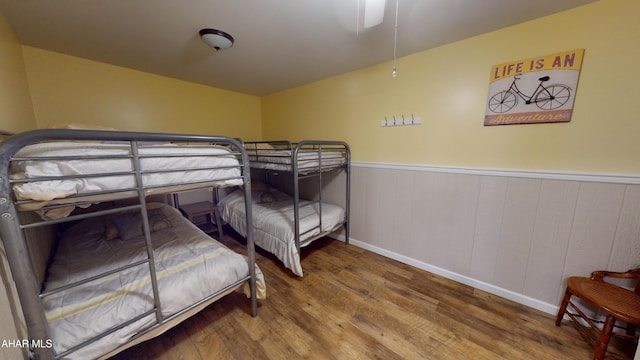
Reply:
x=633, y=274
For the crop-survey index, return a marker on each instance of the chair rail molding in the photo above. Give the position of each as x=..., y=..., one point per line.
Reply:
x=633, y=179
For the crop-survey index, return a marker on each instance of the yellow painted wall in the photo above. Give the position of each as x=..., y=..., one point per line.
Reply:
x=16, y=110
x=16, y=114
x=67, y=89
x=447, y=87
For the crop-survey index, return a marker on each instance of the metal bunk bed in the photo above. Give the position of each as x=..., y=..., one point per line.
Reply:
x=303, y=166
x=203, y=165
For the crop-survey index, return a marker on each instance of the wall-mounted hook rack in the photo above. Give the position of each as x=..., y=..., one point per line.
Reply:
x=400, y=121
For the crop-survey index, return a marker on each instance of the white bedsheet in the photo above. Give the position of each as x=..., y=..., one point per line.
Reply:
x=189, y=264
x=273, y=222
x=190, y=157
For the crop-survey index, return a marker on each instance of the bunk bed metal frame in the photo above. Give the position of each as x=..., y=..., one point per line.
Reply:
x=12, y=229
x=283, y=156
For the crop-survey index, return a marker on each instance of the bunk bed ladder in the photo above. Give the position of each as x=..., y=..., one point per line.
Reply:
x=251, y=256
x=17, y=254
x=347, y=208
x=22, y=270
x=146, y=230
x=318, y=173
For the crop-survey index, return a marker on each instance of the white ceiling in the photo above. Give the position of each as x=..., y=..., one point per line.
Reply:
x=279, y=44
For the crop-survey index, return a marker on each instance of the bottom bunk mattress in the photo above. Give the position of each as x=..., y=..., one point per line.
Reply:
x=273, y=222
x=190, y=266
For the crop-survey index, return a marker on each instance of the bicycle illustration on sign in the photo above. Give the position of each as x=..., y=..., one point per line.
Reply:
x=545, y=97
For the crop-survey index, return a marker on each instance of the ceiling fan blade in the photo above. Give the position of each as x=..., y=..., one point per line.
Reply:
x=373, y=12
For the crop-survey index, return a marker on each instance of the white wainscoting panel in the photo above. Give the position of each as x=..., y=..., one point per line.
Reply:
x=517, y=234
x=487, y=223
x=625, y=251
x=550, y=238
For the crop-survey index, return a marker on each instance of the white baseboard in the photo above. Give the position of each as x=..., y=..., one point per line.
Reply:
x=481, y=285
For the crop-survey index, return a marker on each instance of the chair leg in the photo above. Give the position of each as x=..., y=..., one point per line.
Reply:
x=563, y=306
x=605, y=336
x=631, y=329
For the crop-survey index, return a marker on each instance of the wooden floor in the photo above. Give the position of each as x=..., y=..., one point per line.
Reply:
x=354, y=304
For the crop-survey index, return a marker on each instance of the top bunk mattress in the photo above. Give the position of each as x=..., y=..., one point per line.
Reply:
x=308, y=156
x=67, y=172
x=308, y=160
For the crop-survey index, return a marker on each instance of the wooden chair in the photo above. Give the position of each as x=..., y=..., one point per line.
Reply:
x=616, y=302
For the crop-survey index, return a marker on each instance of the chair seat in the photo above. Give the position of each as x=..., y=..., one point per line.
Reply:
x=619, y=302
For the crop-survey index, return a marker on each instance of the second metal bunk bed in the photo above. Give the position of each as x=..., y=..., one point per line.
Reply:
x=303, y=169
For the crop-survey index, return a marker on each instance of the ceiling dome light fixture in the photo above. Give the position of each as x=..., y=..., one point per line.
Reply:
x=217, y=39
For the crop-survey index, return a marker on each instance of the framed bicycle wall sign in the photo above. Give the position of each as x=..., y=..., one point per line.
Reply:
x=536, y=90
